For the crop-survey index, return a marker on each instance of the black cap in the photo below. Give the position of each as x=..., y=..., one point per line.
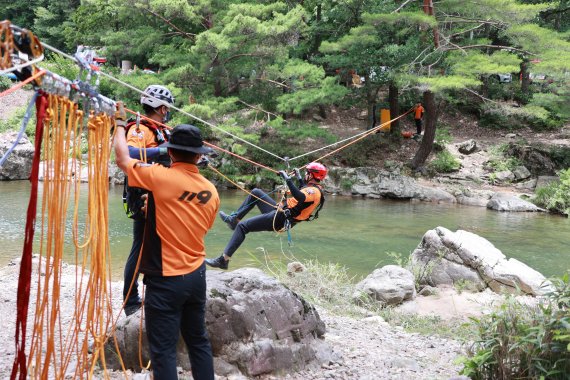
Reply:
x=187, y=137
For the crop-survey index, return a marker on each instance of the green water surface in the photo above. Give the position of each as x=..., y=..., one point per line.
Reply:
x=356, y=233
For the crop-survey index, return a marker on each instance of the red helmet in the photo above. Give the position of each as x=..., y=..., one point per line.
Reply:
x=319, y=171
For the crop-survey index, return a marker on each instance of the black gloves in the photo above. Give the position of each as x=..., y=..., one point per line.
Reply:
x=283, y=174
x=298, y=174
x=203, y=162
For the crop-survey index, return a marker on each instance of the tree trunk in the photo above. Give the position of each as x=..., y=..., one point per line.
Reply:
x=322, y=111
x=216, y=71
x=394, y=109
x=370, y=103
x=318, y=37
x=430, y=119
x=525, y=81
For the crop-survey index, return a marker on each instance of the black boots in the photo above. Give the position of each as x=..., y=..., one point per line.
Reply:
x=218, y=262
x=231, y=220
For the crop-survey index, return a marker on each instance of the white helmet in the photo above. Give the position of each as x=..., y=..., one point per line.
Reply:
x=156, y=96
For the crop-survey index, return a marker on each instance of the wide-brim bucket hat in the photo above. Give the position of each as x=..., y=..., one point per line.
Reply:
x=188, y=138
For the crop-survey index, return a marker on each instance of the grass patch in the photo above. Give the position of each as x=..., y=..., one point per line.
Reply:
x=444, y=162
x=555, y=196
x=328, y=285
x=499, y=161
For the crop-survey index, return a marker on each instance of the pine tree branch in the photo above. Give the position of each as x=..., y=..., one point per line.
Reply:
x=467, y=19
x=401, y=6
x=236, y=56
x=169, y=23
x=479, y=95
x=465, y=31
x=490, y=46
x=274, y=82
x=258, y=109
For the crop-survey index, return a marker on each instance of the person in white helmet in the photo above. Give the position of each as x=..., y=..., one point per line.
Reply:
x=143, y=140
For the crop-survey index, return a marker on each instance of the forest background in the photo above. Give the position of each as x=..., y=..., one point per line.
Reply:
x=267, y=70
x=263, y=69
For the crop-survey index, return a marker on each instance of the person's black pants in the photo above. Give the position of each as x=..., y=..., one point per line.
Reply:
x=131, y=265
x=173, y=306
x=418, y=126
x=267, y=221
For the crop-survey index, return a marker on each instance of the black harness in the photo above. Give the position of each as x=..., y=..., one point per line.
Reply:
x=315, y=215
x=132, y=196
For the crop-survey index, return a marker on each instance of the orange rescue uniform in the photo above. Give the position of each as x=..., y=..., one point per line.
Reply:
x=312, y=200
x=141, y=137
x=419, y=112
x=181, y=208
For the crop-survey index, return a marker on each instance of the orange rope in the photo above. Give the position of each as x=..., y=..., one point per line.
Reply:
x=372, y=131
x=239, y=187
x=6, y=44
x=22, y=84
x=206, y=143
x=57, y=342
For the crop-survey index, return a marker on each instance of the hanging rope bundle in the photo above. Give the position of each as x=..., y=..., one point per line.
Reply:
x=59, y=340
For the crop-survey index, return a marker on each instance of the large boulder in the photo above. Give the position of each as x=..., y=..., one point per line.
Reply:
x=445, y=258
x=378, y=183
x=468, y=147
x=19, y=164
x=390, y=285
x=256, y=326
x=510, y=202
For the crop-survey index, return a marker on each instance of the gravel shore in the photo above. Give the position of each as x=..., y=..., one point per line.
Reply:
x=366, y=348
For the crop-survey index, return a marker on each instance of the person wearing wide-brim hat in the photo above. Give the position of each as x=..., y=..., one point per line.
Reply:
x=181, y=208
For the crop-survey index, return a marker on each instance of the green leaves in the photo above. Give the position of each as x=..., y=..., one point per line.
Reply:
x=555, y=196
x=328, y=92
x=474, y=63
x=448, y=82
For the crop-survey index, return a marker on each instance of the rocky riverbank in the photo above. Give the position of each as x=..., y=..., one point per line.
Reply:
x=363, y=347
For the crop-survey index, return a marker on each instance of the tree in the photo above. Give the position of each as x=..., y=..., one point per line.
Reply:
x=379, y=48
x=488, y=37
x=426, y=145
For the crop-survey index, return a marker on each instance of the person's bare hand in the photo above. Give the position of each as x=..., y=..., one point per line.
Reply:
x=144, y=197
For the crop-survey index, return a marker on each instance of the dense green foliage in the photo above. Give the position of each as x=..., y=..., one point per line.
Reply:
x=445, y=162
x=555, y=196
x=291, y=59
x=524, y=342
x=5, y=83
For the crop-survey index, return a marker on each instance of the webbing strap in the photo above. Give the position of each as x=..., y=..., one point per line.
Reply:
x=23, y=299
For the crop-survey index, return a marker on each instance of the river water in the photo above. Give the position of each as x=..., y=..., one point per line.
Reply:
x=359, y=234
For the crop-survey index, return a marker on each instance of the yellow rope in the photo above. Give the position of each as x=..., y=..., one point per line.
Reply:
x=56, y=342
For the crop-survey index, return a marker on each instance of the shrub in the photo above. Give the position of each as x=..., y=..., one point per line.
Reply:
x=512, y=118
x=15, y=121
x=5, y=83
x=499, y=161
x=524, y=342
x=445, y=162
x=555, y=196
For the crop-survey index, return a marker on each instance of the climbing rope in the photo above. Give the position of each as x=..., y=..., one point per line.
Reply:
x=24, y=280
x=23, y=83
x=240, y=187
x=80, y=338
x=6, y=45
x=355, y=139
x=205, y=142
x=213, y=126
